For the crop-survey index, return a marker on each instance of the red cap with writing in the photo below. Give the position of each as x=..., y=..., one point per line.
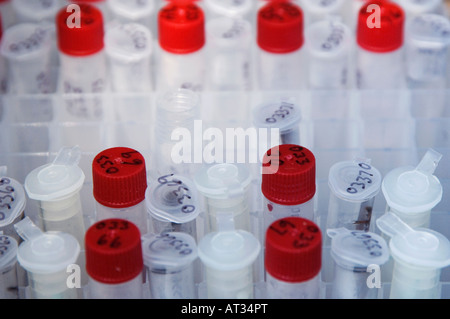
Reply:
x=113, y=251
x=293, y=249
x=181, y=26
x=119, y=177
x=80, y=32
x=380, y=26
x=289, y=174
x=280, y=27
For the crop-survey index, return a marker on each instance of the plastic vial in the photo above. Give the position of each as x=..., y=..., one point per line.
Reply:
x=419, y=255
x=176, y=112
x=319, y=10
x=412, y=192
x=181, y=56
x=56, y=189
x=293, y=259
x=12, y=206
x=427, y=42
x=356, y=254
x=82, y=71
x=328, y=43
x=413, y=8
x=229, y=8
x=380, y=55
x=128, y=49
x=47, y=257
x=120, y=180
x=27, y=50
x=169, y=258
x=226, y=189
x=228, y=258
x=9, y=285
x=229, y=53
x=282, y=114
x=35, y=11
x=136, y=11
x=173, y=205
x=288, y=183
x=114, y=260
x=354, y=185
x=280, y=64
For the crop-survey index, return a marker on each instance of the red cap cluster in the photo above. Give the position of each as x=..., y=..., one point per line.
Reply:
x=293, y=249
x=181, y=26
x=280, y=27
x=119, y=177
x=380, y=26
x=289, y=175
x=113, y=251
x=80, y=37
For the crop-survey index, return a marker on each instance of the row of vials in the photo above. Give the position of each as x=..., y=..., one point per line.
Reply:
x=197, y=237
x=385, y=49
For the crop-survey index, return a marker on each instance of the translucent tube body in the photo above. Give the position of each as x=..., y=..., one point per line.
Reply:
x=131, y=289
x=9, y=285
x=278, y=289
x=274, y=211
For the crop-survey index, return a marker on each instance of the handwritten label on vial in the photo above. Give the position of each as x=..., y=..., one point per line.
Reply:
x=282, y=12
x=180, y=191
x=371, y=244
x=334, y=39
x=302, y=237
x=6, y=197
x=5, y=242
x=363, y=178
x=112, y=165
x=30, y=44
x=296, y=154
x=112, y=237
x=283, y=110
x=175, y=243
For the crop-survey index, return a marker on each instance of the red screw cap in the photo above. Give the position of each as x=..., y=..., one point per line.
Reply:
x=119, y=177
x=113, y=251
x=280, y=27
x=384, y=34
x=293, y=249
x=181, y=27
x=83, y=38
x=289, y=175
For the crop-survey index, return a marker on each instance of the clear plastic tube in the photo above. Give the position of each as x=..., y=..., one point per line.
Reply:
x=169, y=258
x=136, y=11
x=128, y=48
x=316, y=10
x=9, y=285
x=132, y=289
x=35, y=11
x=46, y=257
x=278, y=289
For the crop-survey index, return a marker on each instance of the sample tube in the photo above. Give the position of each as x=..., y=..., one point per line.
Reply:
x=419, y=256
x=293, y=259
x=356, y=254
x=9, y=285
x=181, y=26
x=228, y=257
x=128, y=49
x=47, y=256
x=288, y=183
x=354, y=185
x=283, y=115
x=169, y=258
x=27, y=50
x=318, y=10
x=229, y=8
x=280, y=64
x=413, y=8
x=427, y=41
x=176, y=112
x=136, y=11
x=172, y=205
x=412, y=192
x=114, y=260
x=225, y=188
x=12, y=206
x=229, y=53
x=82, y=72
x=380, y=56
x=328, y=43
x=119, y=180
